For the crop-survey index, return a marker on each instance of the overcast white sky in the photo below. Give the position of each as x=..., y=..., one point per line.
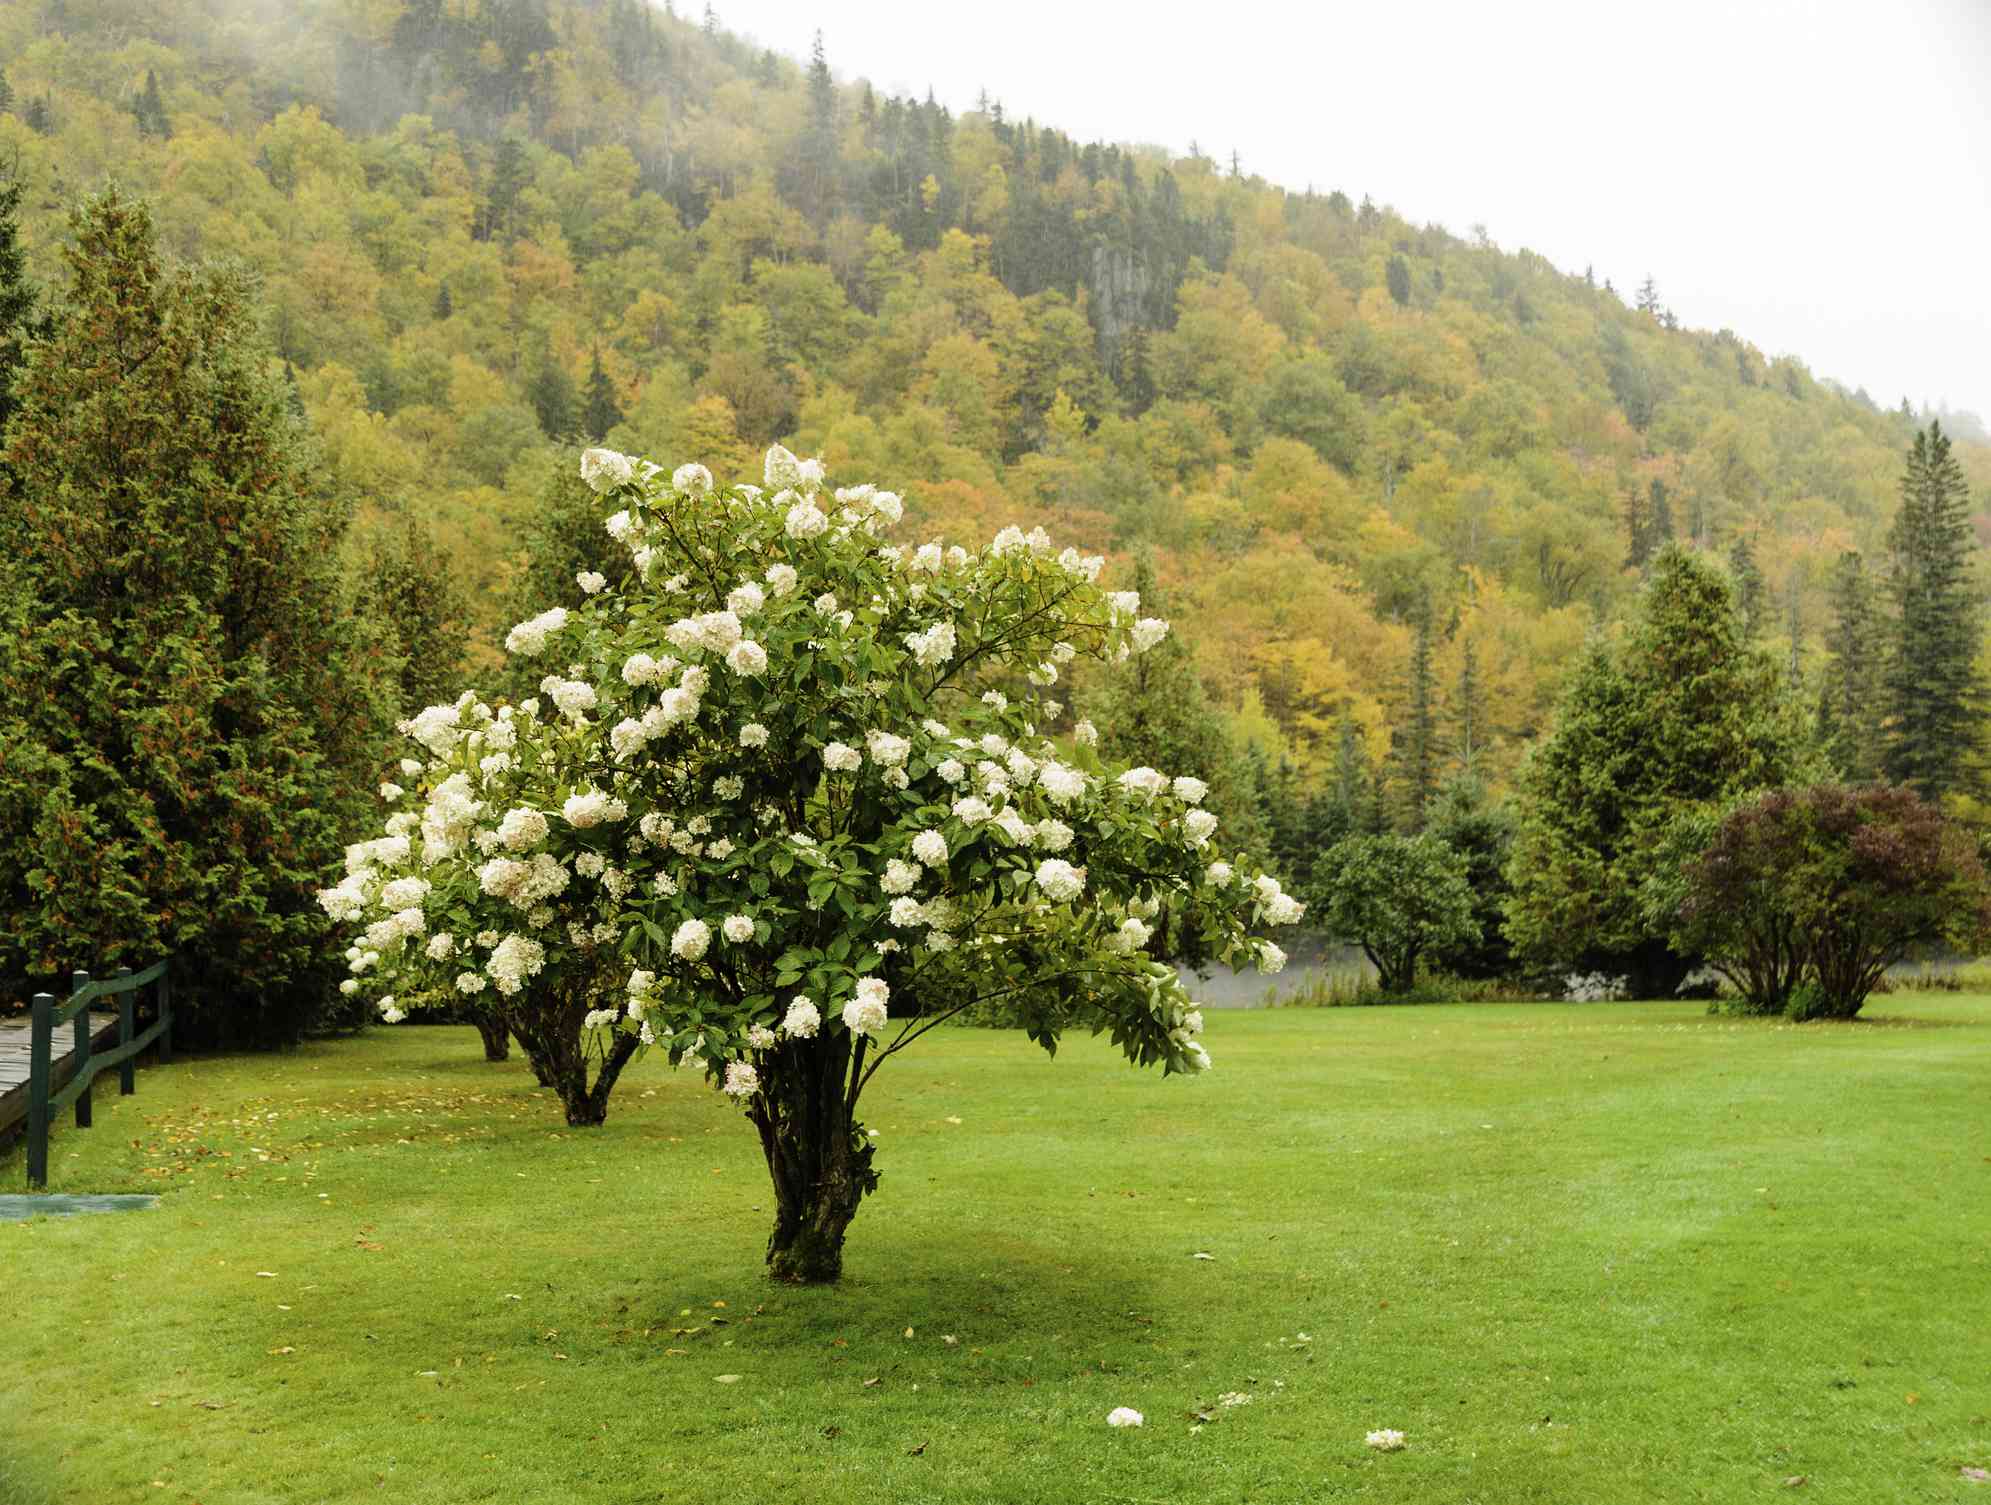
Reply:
x=1815, y=176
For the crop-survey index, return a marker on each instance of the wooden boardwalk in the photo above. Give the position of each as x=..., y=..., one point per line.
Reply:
x=16, y=1038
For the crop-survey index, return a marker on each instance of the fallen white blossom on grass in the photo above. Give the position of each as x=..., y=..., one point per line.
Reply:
x=1124, y=1416
x=1385, y=1441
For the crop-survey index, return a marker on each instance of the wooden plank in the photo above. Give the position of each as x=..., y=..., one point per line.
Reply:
x=16, y=1041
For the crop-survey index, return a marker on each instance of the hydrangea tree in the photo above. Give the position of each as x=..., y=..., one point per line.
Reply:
x=773, y=794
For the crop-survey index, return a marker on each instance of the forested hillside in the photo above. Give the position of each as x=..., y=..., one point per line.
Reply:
x=487, y=228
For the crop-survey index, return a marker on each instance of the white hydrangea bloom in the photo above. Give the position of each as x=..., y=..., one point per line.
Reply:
x=528, y=639
x=753, y=734
x=865, y=1014
x=781, y=469
x=745, y=599
x=806, y=520
x=840, y=758
x=899, y=876
x=1189, y=791
x=690, y=940
x=930, y=847
x=1132, y=934
x=737, y=928
x=605, y=469
x=1199, y=825
x=741, y=1080
x=1148, y=632
x=591, y=807
x=782, y=579
x=972, y=810
x=593, y=582
x=747, y=658
x=693, y=478
x=516, y=958
x=1053, y=835
x=887, y=750
x=934, y=646
x=803, y=1018
x=1059, y=880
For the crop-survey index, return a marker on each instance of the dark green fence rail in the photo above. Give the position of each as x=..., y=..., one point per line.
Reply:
x=48, y=1016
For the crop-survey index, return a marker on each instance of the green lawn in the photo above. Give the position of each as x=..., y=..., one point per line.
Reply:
x=1582, y=1253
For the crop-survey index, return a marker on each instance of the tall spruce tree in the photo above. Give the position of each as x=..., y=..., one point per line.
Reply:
x=600, y=411
x=819, y=141
x=149, y=109
x=1933, y=695
x=1651, y=736
x=1747, y=577
x=1397, y=276
x=1852, y=699
x=1468, y=707
x=21, y=319
x=554, y=401
x=1660, y=516
x=1639, y=542
x=190, y=706
x=1416, y=737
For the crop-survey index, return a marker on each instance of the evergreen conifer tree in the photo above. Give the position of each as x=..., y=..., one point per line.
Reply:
x=1397, y=276
x=20, y=318
x=1638, y=529
x=554, y=401
x=190, y=706
x=1660, y=516
x=444, y=307
x=1933, y=697
x=819, y=143
x=150, y=110
x=1416, y=738
x=1748, y=584
x=601, y=412
x=1679, y=718
x=1468, y=707
x=1852, y=699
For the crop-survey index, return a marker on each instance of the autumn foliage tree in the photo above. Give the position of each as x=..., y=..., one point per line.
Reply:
x=1805, y=897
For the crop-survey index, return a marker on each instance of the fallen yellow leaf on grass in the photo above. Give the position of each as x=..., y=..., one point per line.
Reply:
x=285, y=1349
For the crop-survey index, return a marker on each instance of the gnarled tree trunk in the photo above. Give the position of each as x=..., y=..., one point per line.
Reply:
x=497, y=1035
x=555, y=1042
x=817, y=1155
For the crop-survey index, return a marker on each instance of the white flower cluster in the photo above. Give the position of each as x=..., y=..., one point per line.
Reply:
x=759, y=678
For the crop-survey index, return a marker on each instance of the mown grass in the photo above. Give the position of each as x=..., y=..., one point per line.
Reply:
x=1582, y=1253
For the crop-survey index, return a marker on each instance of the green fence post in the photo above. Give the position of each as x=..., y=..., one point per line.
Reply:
x=127, y=1007
x=43, y=1025
x=77, y=982
x=166, y=1015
